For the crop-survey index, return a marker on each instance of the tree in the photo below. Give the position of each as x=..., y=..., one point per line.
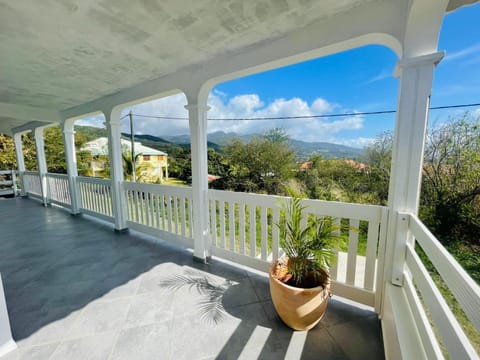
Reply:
x=54, y=150
x=7, y=153
x=451, y=180
x=338, y=180
x=261, y=165
x=141, y=168
x=378, y=156
x=450, y=196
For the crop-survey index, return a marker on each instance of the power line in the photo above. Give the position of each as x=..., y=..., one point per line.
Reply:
x=305, y=116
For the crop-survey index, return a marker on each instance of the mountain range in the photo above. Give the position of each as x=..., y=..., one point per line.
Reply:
x=304, y=149
x=218, y=139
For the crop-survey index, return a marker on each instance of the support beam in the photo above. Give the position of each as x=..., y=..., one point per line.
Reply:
x=197, y=117
x=416, y=75
x=17, y=138
x=41, y=163
x=71, y=159
x=116, y=168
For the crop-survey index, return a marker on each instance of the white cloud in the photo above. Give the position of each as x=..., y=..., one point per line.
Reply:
x=359, y=142
x=245, y=106
x=95, y=121
x=468, y=51
x=384, y=74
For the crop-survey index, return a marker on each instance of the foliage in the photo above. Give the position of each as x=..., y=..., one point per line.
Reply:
x=180, y=163
x=339, y=180
x=260, y=165
x=378, y=156
x=141, y=168
x=451, y=181
x=7, y=153
x=304, y=245
x=450, y=197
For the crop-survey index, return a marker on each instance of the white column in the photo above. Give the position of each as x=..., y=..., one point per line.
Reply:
x=197, y=116
x=116, y=169
x=71, y=159
x=41, y=163
x=17, y=138
x=407, y=158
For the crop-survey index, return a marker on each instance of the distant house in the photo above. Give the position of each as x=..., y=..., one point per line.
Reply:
x=157, y=161
x=357, y=165
x=307, y=165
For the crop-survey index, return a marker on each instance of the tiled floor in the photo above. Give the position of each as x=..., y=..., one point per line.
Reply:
x=77, y=290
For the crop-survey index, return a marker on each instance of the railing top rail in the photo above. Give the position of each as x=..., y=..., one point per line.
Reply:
x=158, y=189
x=463, y=287
x=6, y=172
x=92, y=180
x=317, y=207
x=56, y=175
x=34, y=173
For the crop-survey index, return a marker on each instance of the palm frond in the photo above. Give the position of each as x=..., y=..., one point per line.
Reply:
x=304, y=242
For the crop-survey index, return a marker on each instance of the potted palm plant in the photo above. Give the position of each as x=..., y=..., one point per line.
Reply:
x=300, y=280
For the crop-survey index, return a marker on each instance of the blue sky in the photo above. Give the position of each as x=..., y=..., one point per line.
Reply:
x=359, y=80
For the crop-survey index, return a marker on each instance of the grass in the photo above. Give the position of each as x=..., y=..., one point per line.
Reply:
x=174, y=182
x=469, y=258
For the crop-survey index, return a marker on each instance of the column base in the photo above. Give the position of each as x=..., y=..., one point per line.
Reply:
x=204, y=260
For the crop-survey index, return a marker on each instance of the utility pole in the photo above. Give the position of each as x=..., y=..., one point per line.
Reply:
x=132, y=140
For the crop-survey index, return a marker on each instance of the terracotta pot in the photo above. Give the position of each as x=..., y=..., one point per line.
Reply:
x=300, y=309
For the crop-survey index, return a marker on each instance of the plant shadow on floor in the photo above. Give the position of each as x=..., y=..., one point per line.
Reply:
x=260, y=334
x=210, y=307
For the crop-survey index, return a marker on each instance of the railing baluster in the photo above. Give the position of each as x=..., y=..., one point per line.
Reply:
x=253, y=229
x=222, y=224
x=182, y=215
x=190, y=211
x=231, y=224
x=157, y=212
x=147, y=208
x=352, y=251
x=275, y=232
x=175, y=207
x=136, y=200
x=241, y=226
x=169, y=212
x=264, y=231
x=371, y=255
x=213, y=221
x=162, y=203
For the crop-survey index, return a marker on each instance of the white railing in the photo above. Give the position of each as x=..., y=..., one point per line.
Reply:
x=160, y=210
x=96, y=197
x=32, y=184
x=243, y=229
x=424, y=297
x=8, y=182
x=58, y=189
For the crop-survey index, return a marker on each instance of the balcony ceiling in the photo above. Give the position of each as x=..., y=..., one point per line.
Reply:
x=60, y=54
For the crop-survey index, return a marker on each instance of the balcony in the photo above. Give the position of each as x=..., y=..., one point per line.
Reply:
x=76, y=290
x=74, y=287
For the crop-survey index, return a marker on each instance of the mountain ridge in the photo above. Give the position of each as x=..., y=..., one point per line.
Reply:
x=218, y=139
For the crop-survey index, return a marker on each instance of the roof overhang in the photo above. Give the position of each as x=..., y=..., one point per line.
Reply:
x=64, y=60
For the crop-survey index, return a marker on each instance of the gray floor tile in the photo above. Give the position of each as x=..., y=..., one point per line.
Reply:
x=100, y=316
x=95, y=347
x=261, y=286
x=359, y=338
x=75, y=285
x=44, y=327
x=149, y=308
x=40, y=352
x=144, y=343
